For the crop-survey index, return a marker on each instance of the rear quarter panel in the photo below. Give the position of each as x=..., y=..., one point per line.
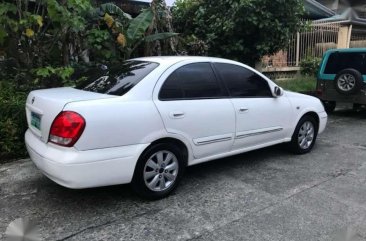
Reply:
x=117, y=122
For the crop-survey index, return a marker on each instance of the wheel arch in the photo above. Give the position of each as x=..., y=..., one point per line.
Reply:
x=314, y=115
x=307, y=113
x=182, y=144
x=175, y=141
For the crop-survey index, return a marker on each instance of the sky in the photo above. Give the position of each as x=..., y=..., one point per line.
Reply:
x=170, y=2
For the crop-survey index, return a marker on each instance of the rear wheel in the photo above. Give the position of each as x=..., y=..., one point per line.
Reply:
x=158, y=171
x=304, y=136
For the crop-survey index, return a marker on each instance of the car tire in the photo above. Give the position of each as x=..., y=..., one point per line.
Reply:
x=348, y=82
x=329, y=106
x=304, y=136
x=158, y=171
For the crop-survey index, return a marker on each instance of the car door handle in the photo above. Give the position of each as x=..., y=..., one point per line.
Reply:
x=176, y=114
x=243, y=110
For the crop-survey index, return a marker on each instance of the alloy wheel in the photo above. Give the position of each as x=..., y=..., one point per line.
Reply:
x=346, y=82
x=161, y=171
x=306, y=135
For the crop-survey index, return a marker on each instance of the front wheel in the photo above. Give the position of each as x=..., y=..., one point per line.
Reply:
x=304, y=136
x=158, y=171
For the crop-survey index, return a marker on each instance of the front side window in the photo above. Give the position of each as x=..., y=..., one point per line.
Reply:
x=119, y=79
x=192, y=81
x=242, y=82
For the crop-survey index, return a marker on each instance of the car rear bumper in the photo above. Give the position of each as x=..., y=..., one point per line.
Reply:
x=84, y=169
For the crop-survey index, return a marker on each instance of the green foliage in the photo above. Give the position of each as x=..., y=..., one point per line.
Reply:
x=139, y=25
x=310, y=66
x=130, y=35
x=243, y=30
x=5, y=9
x=12, y=121
x=50, y=33
x=48, y=72
x=65, y=33
x=52, y=43
x=103, y=45
x=299, y=84
x=114, y=10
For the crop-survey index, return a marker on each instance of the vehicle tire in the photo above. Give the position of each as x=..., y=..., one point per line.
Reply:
x=158, y=171
x=329, y=106
x=348, y=81
x=304, y=136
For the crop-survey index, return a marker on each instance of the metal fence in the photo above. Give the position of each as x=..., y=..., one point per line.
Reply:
x=358, y=38
x=317, y=38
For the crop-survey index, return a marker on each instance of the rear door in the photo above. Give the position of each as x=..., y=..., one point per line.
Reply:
x=194, y=104
x=260, y=117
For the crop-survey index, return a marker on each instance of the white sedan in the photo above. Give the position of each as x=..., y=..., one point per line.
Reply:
x=144, y=121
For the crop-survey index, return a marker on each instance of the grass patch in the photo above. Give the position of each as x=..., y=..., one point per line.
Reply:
x=298, y=84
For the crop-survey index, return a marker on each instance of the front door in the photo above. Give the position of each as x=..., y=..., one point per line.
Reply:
x=261, y=118
x=194, y=104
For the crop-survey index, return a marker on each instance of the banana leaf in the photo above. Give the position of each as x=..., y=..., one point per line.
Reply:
x=139, y=25
x=114, y=9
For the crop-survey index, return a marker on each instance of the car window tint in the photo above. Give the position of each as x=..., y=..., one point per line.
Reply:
x=339, y=61
x=119, y=79
x=242, y=82
x=192, y=81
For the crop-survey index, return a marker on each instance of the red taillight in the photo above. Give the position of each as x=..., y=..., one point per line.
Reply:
x=319, y=92
x=66, y=128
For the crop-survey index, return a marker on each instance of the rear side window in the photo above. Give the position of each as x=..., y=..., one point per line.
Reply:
x=192, y=81
x=119, y=79
x=339, y=61
x=242, y=82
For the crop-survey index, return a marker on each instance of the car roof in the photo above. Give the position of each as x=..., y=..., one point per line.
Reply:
x=350, y=50
x=175, y=59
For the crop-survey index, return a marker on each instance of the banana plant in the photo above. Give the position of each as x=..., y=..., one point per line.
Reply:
x=131, y=36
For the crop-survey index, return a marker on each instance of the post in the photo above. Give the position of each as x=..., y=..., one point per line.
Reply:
x=297, y=49
x=349, y=36
x=343, y=36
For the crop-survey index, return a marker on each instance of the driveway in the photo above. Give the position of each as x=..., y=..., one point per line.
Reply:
x=262, y=195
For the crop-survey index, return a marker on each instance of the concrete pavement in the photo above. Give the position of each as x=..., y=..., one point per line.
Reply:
x=268, y=194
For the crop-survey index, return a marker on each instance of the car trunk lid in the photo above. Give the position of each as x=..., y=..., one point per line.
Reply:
x=42, y=106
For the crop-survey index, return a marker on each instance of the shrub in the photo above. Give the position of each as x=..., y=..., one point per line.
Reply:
x=13, y=122
x=239, y=29
x=310, y=66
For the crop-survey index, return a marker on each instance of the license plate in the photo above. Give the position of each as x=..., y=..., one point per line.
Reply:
x=36, y=120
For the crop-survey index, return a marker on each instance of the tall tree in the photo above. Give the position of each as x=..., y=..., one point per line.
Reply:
x=243, y=30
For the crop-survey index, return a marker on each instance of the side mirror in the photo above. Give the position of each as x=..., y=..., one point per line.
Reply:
x=278, y=91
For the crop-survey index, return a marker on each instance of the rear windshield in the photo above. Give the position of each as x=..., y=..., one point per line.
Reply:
x=119, y=79
x=339, y=61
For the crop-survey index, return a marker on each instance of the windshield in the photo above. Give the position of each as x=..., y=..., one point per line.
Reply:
x=119, y=79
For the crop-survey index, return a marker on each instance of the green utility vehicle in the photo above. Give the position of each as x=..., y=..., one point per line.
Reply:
x=342, y=78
